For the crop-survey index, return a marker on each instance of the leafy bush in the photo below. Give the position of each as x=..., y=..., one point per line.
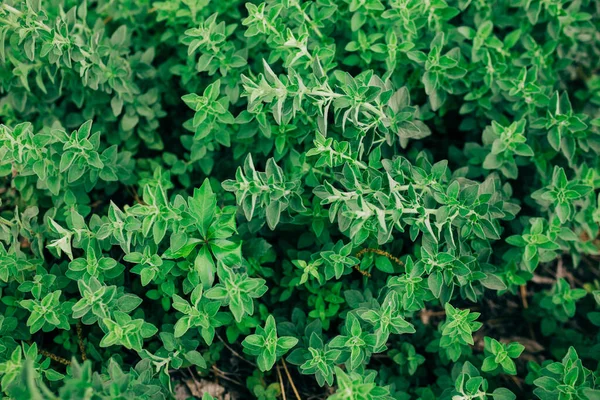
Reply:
x=361, y=199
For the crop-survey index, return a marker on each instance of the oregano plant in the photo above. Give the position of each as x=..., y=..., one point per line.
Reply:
x=300, y=199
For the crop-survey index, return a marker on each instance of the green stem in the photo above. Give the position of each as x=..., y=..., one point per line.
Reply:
x=309, y=21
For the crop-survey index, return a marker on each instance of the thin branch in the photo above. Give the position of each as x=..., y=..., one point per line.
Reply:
x=291, y=380
x=524, y=296
x=544, y=280
x=281, y=384
x=380, y=252
x=80, y=340
x=235, y=353
x=54, y=357
x=222, y=375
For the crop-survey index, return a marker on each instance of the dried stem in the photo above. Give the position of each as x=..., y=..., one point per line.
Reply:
x=54, y=357
x=80, y=340
x=291, y=380
x=222, y=375
x=379, y=252
x=235, y=353
x=524, y=296
x=281, y=384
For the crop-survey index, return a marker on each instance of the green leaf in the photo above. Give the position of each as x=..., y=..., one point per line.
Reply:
x=493, y=282
x=435, y=282
x=195, y=358
x=384, y=264
x=128, y=302
x=202, y=206
x=286, y=342
x=205, y=267
x=273, y=214
x=503, y=394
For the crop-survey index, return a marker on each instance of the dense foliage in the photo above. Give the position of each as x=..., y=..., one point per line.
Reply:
x=360, y=199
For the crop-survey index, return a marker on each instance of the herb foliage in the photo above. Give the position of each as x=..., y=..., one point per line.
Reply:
x=386, y=199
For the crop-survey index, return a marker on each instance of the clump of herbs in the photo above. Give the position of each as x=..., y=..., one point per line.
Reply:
x=360, y=199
